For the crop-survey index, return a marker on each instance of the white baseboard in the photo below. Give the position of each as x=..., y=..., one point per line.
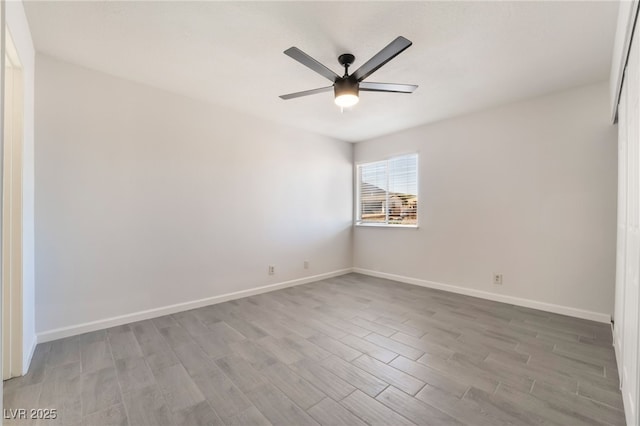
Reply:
x=87, y=327
x=543, y=306
x=59, y=333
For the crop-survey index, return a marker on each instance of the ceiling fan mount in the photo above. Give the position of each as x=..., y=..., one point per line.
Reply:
x=346, y=59
x=346, y=88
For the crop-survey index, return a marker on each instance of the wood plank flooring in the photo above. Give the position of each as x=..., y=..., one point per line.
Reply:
x=351, y=350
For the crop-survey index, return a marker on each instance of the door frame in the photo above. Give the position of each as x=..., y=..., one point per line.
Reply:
x=12, y=164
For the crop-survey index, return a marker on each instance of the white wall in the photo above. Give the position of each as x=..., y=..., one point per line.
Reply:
x=146, y=199
x=18, y=26
x=168, y=200
x=527, y=190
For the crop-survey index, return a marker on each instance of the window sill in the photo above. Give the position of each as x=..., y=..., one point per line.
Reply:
x=385, y=225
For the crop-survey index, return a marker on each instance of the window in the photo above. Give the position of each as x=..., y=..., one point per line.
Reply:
x=388, y=191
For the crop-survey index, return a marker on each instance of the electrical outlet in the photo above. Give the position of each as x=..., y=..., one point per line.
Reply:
x=497, y=279
x=272, y=270
x=306, y=264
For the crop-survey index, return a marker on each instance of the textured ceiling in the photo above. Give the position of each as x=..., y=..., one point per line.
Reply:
x=465, y=55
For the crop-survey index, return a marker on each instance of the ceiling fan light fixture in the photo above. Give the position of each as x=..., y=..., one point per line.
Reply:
x=346, y=101
x=346, y=93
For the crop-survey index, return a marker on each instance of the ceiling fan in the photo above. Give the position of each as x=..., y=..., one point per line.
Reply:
x=346, y=88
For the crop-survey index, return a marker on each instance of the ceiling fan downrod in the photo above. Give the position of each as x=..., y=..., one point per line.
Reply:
x=346, y=59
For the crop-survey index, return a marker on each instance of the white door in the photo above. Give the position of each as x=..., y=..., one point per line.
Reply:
x=621, y=244
x=629, y=295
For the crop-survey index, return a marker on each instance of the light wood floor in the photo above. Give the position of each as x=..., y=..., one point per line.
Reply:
x=351, y=350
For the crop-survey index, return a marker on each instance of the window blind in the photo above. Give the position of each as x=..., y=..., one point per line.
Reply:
x=388, y=191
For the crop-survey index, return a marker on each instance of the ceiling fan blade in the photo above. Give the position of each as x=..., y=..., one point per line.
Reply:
x=309, y=62
x=366, y=86
x=306, y=92
x=392, y=50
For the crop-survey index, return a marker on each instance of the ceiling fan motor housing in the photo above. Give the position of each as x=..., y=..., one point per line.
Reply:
x=346, y=86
